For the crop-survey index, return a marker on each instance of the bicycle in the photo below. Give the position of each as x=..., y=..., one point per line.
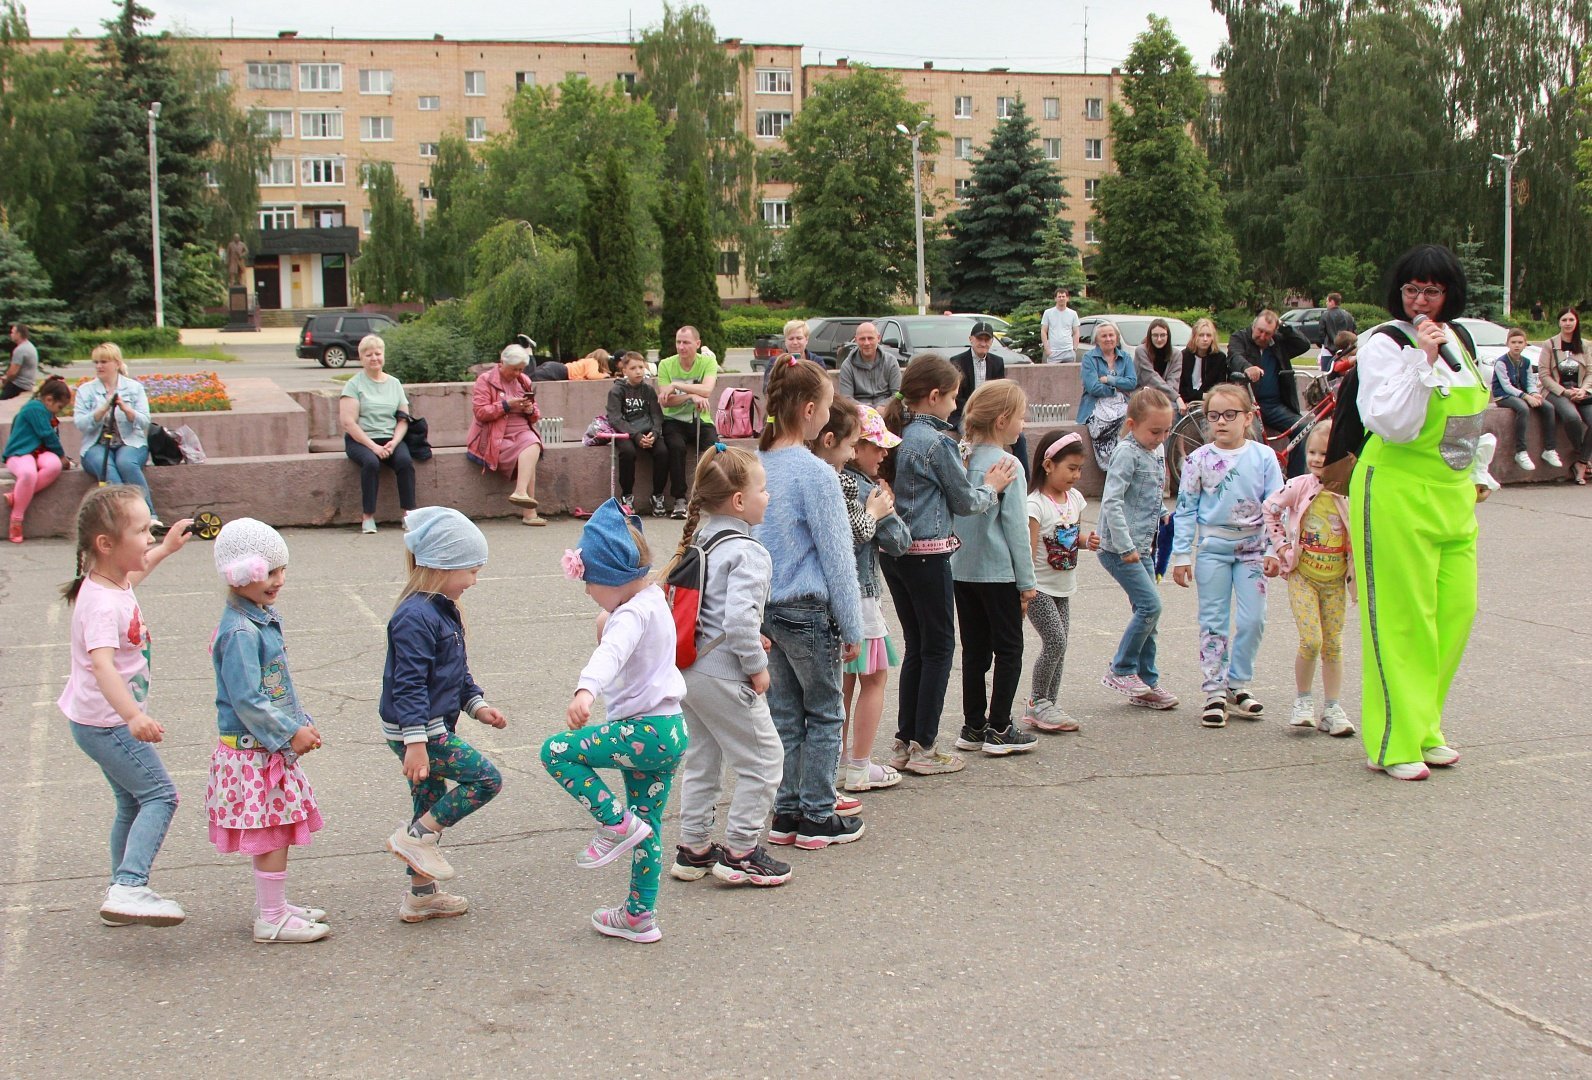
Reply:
x=1191, y=432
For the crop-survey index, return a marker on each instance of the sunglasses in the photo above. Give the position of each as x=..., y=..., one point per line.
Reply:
x=1227, y=415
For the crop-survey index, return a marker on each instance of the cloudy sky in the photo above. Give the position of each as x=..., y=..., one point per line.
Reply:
x=1025, y=35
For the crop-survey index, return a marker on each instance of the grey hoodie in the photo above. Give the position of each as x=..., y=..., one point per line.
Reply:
x=739, y=576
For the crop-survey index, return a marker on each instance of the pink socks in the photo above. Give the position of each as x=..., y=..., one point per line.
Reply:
x=270, y=895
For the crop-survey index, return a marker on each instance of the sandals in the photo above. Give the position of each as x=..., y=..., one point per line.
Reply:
x=523, y=500
x=1245, y=705
x=1580, y=473
x=1214, y=713
x=16, y=531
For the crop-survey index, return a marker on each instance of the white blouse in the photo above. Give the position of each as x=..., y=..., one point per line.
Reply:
x=1396, y=385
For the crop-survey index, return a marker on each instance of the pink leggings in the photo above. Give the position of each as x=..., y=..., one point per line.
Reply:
x=33, y=474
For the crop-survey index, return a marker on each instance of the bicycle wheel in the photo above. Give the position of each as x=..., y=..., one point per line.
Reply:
x=1188, y=435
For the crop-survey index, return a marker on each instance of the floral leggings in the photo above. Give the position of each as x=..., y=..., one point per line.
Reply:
x=646, y=750
x=475, y=781
x=1319, y=609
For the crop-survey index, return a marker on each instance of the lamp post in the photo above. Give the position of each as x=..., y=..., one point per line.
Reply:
x=916, y=135
x=154, y=215
x=1509, y=160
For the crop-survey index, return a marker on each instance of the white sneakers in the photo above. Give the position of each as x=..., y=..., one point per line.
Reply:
x=421, y=853
x=1304, y=713
x=1524, y=463
x=437, y=905
x=1552, y=459
x=1335, y=721
x=1440, y=756
x=127, y=904
x=1408, y=770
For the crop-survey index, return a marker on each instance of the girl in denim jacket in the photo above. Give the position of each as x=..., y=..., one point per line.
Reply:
x=258, y=799
x=931, y=487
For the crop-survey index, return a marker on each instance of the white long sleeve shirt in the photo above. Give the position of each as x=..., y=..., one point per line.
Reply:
x=633, y=666
x=1396, y=385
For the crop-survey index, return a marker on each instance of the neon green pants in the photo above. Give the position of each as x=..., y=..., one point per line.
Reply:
x=1415, y=558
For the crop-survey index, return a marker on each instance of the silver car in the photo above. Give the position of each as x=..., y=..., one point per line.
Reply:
x=1133, y=328
x=947, y=335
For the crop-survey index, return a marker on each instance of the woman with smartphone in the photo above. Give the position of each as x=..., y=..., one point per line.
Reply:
x=503, y=436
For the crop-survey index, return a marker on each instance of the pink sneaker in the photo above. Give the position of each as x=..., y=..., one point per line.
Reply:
x=1131, y=685
x=1156, y=697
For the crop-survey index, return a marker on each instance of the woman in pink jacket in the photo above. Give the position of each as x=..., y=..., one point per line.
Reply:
x=1309, y=529
x=503, y=436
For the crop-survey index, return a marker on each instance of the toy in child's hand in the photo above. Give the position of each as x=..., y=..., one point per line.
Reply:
x=206, y=525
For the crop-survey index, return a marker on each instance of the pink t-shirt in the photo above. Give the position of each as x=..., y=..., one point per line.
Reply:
x=102, y=618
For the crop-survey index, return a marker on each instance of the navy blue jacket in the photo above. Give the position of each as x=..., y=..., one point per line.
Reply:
x=426, y=681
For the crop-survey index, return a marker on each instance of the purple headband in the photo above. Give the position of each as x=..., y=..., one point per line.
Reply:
x=1069, y=439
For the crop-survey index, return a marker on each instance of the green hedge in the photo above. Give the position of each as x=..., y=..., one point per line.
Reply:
x=429, y=351
x=133, y=340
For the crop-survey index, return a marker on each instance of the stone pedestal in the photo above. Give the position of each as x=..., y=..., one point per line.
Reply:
x=242, y=317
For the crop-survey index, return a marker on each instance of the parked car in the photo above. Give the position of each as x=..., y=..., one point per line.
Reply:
x=947, y=335
x=1490, y=338
x=827, y=338
x=334, y=338
x=1306, y=320
x=1133, y=328
x=1002, y=326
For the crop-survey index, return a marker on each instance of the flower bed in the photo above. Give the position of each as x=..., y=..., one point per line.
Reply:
x=200, y=392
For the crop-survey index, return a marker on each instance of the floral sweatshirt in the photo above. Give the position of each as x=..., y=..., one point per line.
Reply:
x=1223, y=492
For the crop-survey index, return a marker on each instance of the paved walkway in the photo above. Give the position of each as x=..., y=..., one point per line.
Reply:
x=1146, y=898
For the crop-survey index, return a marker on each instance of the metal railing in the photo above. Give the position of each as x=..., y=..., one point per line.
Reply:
x=551, y=429
x=1039, y=413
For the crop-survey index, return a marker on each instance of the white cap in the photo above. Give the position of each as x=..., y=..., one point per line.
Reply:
x=248, y=550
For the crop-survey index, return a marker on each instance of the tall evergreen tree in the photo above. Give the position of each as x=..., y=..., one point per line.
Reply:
x=690, y=260
x=388, y=270
x=1056, y=266
x=1484, y=293
x=998, y=234
x=457, y=222
x=27, y=297
x=851, y=244
x=1163, y=238
x=611, y=309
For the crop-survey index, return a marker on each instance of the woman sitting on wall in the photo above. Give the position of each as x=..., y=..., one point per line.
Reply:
x=503, y=436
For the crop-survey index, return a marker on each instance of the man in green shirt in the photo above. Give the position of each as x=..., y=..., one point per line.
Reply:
x=685, y=388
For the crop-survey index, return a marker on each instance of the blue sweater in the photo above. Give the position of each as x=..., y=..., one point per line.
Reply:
x=33, y=429
x=426, y=681
x=808, y=536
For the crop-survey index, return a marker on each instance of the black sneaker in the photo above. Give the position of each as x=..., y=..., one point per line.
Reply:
x=972, y=738
x=681, y=511
x=757, y=867
x=783, y=829
x=659, y=509
x=627, y=505
x=689, y=866
x=834, y=829
x=1011, y=740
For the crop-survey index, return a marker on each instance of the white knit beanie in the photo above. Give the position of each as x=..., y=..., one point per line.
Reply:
x=248, y=550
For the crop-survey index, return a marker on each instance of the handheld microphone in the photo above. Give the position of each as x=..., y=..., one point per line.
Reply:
x=1445, y=350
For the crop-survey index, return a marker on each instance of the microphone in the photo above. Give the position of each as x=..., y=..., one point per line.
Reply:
x=1445, y=350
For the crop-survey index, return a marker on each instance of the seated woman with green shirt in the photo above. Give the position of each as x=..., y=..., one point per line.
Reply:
x=373, y=432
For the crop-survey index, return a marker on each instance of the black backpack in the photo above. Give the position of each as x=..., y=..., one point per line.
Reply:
x=164, y=449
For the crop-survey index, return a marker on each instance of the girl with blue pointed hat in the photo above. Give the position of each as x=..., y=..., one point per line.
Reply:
x=644, y=735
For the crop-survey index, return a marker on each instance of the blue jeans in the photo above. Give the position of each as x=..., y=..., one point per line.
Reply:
x=124, y=465
x=145, y=797
x=1136, y=651
x=804, y=700
x=1229, y=575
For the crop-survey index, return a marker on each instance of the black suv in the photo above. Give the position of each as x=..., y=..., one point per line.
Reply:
x=333, y=339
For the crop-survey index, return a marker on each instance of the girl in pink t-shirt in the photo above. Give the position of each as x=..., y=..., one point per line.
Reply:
x=108, y=685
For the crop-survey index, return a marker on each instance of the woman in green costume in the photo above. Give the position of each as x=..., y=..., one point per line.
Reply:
x=1412, y=503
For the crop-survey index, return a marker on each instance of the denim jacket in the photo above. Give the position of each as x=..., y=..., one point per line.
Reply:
x=890, y=535
x=1131, y=506
x=91, y=397
x=254, y=692
x=426, y=681
x=931, y=484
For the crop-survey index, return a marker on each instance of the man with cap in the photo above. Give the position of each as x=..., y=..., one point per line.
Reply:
x=978, y=366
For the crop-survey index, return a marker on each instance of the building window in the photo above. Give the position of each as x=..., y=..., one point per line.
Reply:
x=773, y=81
x=522, y=79
x=1091, y=190
x=964, y=188
x=964, y=108
x=771, y=125
x=1004, y=107
x=375, y=128
x=1213, y=112
x=223, y=77
x=375, y=81
x=1052, y=149
x=327, y=217
x=278, y=172
x=729, y=264
x=321, y=125
x=1089, y=236
x=364, y=225
x=263, y=76
x=210, y=179
x=277, y=217
x=277, y=122
x=323, y=172
x=581, y=75
x=475, y=84
x=1053, y=108
x=776, y=213
x=428, y=149
x=431, y=103
x=321, y=77
x=1094, y=149
x=964, y=149
x=1093, y=109
x=627, y=79
x=475, y=129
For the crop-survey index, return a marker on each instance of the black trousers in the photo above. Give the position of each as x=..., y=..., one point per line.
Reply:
x=370, y=472
x=11, y=390
x=989, y=615
x=679, y=435
x=921, y=587
x=628, y=449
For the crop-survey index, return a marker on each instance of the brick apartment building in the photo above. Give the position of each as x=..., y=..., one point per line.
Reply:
x=337, y=103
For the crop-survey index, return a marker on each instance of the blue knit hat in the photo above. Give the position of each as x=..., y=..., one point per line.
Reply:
x=607, y=553
x=441, y=538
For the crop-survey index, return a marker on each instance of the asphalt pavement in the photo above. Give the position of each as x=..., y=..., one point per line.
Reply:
x=1143, y=899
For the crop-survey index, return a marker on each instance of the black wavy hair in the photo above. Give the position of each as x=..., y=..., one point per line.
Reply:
x=1433, y=263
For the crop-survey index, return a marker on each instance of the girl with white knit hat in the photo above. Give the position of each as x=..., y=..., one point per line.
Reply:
x=258, y=800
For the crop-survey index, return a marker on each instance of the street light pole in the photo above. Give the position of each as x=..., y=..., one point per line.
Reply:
x=916, y=135
x=154, y=215
x=1509, y=160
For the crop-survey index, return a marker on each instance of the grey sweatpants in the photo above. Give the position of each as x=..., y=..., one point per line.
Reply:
x=730, y=725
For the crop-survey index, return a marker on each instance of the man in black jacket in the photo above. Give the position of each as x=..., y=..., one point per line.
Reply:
x=978, y=366
x=1262, y=358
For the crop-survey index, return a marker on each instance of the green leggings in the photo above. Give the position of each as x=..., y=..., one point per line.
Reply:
x=646, y=750
x=475, y=781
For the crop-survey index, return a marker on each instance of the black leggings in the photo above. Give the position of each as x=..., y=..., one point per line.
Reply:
x=678, y=435
x=990, y=617
x=922, y=589
x=370, y=472
x=628, y=449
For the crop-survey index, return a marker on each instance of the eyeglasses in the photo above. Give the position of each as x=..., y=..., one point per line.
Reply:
x=1431, y=292
x=1226, y=415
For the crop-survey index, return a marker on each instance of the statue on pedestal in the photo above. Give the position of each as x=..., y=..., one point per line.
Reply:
x=237, y=259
